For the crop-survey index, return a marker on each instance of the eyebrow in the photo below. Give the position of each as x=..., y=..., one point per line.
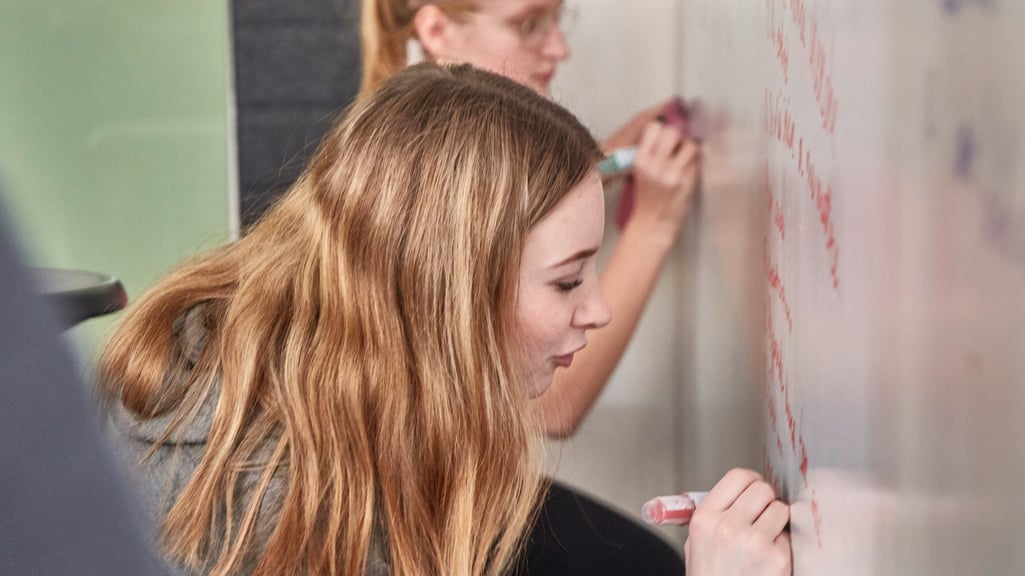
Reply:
x=578, y=256
x=535, y=10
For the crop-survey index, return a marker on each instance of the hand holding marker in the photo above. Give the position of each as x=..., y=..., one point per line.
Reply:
x=676, y=509
x=676, y=113
x=687, y=119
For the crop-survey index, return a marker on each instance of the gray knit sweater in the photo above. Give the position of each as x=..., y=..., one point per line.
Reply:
x=163, y=475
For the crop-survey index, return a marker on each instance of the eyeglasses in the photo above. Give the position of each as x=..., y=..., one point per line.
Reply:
x=537, y=27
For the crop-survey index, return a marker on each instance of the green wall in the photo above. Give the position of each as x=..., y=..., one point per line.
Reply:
x=114, y=133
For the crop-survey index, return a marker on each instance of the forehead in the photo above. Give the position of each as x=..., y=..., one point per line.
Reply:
x=517, y=7
x=577, y=223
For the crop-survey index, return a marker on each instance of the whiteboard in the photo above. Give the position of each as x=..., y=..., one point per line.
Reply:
x=861, y=272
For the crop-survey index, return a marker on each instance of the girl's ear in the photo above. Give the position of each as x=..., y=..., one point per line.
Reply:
x=436, y=32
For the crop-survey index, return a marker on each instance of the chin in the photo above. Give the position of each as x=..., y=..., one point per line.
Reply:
x=541, y=385
x=535, y=84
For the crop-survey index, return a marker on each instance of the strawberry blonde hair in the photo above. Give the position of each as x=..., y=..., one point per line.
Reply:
x=386, y=27
x=361, y=342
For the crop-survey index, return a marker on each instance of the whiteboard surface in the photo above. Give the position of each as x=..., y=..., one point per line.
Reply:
x=862, y=271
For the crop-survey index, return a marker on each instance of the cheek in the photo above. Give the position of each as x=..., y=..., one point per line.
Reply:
x=502, y=58
x=538, y=327
x=534, y=334
x=521, y=68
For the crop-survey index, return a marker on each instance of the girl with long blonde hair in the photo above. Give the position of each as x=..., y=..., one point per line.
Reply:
x=524, y=40
x=345, y=390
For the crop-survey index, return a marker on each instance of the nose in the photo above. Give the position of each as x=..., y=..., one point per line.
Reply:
x=555, y=46
x=593, y=312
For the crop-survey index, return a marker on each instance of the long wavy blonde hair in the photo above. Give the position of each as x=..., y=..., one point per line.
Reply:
x=365, y=329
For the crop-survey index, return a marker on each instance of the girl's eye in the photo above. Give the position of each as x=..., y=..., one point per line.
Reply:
x=567, y=286
x=529, y=27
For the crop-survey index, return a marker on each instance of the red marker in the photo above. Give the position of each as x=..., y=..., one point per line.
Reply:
x=676, y=509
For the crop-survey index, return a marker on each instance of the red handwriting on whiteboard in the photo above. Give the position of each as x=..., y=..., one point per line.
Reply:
x=798, y=14
x=777, y=387
x=820, y=58
x=822, y=197
x=781, y=128
x=777, y=381
x=777, y=373
x=777, y=365
x=804, y=177
x=777, y=362
x=821, y=63
x=776, y=209
x=779, y=123
x=777, y=285
x=778, y=38
x=816, y=517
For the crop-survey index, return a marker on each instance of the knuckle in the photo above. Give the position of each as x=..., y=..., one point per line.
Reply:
x=735, y=473
x=646, y=168
x=764, y=491
x=742, y=474
x=776, y=509
x=781, y=508
x=701, y=524
x=781, y=561
x=651, y=131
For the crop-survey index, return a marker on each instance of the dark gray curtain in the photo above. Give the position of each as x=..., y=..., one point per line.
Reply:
x=296, y=67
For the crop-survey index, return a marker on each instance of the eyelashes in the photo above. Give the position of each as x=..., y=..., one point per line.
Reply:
x=568, y=286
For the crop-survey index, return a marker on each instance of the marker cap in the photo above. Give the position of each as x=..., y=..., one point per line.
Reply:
x=676, y=509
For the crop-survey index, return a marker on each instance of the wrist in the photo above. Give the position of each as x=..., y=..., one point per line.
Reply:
x=664, y=209
x=651, y=232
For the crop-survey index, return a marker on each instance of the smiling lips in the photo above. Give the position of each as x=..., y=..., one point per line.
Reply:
x=564, y=360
